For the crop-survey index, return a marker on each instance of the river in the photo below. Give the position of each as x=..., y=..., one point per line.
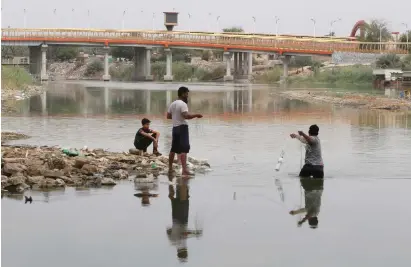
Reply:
x=242, y=206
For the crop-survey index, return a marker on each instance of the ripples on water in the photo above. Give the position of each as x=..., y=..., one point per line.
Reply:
x=239, y=204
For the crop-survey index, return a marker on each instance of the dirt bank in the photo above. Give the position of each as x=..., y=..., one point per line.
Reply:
x=30, y=167
x=356, y=100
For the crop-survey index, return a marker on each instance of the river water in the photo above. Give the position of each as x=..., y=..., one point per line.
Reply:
x=241, y=206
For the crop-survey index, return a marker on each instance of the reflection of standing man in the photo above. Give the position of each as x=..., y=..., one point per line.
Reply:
x=313, y=191
x=179, y=232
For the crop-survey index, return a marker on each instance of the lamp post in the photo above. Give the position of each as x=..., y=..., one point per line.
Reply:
x=24, y=18
x=218, y=23
x=189, y=22
x=122, y=21
x=381, y=38
x=152, y=23
x=88, y=18
x=406, y=33
x=209, y=22
x=277, y=19
x=331, y=25
x=314, y=22
x=255, y=20
x=72, y=17
x=55, y=17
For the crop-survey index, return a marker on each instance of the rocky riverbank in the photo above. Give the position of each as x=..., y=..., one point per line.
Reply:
x=30, y=167
x=356, y=100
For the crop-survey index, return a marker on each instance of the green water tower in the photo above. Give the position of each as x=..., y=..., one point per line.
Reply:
x=170, y=20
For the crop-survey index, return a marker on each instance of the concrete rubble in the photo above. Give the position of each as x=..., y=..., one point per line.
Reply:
x=30, y=167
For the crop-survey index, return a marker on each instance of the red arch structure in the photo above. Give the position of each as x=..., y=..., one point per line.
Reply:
x=360, y=25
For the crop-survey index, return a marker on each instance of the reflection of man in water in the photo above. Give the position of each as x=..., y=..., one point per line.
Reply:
x=179, y=232
x=313, y=190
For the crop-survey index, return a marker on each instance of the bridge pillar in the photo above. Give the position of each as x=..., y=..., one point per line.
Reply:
x=240, y=63
x=235, y=63
x=228, y=76
x=286, y=62
x=169, y=61
x=250, y=63
x=168, y=98
x=43, y=73
x=149, y=77
x=38, y=62
x=106, y=76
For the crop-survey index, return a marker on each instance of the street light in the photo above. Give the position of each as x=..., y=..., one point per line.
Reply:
x=122, y=21
x=189, y=21
x=331, y=25
x=88, y=18
x=381, y=38
x=218, y=23
x=277, y=19
x=209, y=22
x=24, y=18
x=152, y=25
x=72, y=17
x=314, y=22
x=406, y=32
x=255, y=20
x=55, y=17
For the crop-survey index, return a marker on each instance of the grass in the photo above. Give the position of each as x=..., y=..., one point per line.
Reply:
x=13, y=78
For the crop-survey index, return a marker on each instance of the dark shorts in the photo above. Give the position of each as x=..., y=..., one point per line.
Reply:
x=181, y=142
x=144, y=143
x=308, y=170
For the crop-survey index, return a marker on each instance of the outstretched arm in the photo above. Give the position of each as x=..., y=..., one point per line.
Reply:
x=306, y=137
x=189, y=116
x=300, y=138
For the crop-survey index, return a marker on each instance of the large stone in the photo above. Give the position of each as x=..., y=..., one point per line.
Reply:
x=53, y=174
x=31, y=180
x=16, y=180
x=60, y=182
x=108, y=181
x=89, y=169
x=80, y=162
x=56, y=163
x=135, y=151
x=48, y=183
x=12, y=168
x=120, y=174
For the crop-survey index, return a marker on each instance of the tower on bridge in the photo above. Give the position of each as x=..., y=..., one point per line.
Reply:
x=170, y=20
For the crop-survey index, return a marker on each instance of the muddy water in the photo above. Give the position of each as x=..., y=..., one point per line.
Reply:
x=242, y=206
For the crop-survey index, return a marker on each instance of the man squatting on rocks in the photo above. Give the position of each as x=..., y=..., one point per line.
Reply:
x=313, y=159
x=180, y=145
x=145, y=136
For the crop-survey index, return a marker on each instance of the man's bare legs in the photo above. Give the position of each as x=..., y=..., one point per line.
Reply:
x=170, y=161
x=184, y=164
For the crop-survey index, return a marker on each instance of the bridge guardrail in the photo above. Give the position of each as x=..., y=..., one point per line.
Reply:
x=216, y=40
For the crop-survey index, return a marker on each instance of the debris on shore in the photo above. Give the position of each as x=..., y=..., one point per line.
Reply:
x=30, y=167
x=349, y=99
x=7, y=136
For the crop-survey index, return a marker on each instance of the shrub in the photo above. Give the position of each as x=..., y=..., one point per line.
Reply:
x=94, y=67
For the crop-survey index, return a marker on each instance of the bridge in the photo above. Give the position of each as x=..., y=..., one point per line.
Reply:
x=239, y=46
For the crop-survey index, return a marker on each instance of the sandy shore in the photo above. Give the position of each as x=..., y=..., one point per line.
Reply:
x=356, y=100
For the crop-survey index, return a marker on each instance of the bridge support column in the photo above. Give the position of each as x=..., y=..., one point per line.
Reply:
x=149, y=77
x=235, y=63
x=250, y=64
x=168, y=98
x=228, y=76
x=169, y=61
x=106, y=76
x=240, y=63
x=38, y=62
x=286, y=62
x=43, y=73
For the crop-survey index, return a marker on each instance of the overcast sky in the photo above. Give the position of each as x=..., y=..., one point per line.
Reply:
x=294, y=14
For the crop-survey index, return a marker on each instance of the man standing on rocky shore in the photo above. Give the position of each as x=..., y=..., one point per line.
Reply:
x=180, y=145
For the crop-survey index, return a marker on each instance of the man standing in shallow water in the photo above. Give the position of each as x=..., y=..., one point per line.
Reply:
x=314, y=165
x=180, y=145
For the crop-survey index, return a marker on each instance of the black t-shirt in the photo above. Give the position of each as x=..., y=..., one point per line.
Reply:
x=140, y=136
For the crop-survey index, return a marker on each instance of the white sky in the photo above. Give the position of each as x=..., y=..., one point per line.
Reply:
x=294, y=14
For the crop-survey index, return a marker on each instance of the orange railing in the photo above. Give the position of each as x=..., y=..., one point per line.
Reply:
x=255, y=42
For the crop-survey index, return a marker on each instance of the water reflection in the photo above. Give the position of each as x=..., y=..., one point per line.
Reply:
x=179, y=231
x=145, y=188
x=313, y=191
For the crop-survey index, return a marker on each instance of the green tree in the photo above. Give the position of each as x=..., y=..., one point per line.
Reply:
x=94, y=67
x=403, y=39
x=123, y=52
x=14, y=51
x=377, y=30
x=66, y=53
x=233, y=29
x=301, y=61
x=389, y=61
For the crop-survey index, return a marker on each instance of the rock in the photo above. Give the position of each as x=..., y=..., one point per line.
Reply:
x=53, y=174
x=135, y=151
x=149, y=179
x=80, y=162
x=12, y=168
x=89, y=169
x=20, y=188
x=120, y=174
x=56, y=163
x=34, y=180
x=141, y=175
x=48, y=183
x=60, y=182
x=67, y=180
x=16, y=180
x=107, y=181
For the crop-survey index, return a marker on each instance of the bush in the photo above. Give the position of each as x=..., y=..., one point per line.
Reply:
x=158, y=70
x=206, y=55
x=15, y=77
x=271, y=76
x=66, y=53
x=94, y=67
x=122, y=52
x=389, y=61
x=122, y=73
x=204, y=75
x=182, y=71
